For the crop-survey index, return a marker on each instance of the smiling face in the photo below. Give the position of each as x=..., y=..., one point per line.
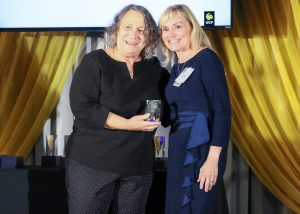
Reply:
x=176, y=33
x=131, y=35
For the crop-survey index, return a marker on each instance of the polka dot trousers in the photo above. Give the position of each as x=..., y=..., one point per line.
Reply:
x=93, y=191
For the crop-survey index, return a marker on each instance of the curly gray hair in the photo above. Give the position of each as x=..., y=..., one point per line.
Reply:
x=151, y=30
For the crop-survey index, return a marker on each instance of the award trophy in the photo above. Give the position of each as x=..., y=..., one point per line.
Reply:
x=160, y=152
x=50, y=145
x=159, y=142
x=51, y=159
x=153, y=107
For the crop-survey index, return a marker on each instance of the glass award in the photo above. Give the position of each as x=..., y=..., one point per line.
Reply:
x=50, y=145
x=160, y=149
x=153, y=107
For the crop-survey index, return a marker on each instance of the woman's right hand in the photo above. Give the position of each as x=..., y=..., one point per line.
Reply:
x=140, y=123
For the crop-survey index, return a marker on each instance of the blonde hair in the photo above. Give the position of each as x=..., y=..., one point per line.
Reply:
x=199, y=39
x=151, y=30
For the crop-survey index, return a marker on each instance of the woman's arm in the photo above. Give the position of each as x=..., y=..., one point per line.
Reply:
x=135, y=123
x=85, y=93
x=215, y=85
x=209, y=171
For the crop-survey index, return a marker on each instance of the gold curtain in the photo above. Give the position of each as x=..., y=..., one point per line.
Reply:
x=33, y=70
x=261, y=55
x=262, y=59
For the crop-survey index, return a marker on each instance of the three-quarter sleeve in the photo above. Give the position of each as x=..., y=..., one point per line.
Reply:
x=215, y=85
x=85, y=95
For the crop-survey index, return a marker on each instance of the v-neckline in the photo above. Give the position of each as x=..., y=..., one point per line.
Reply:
x=124, y=64
x=128, y=71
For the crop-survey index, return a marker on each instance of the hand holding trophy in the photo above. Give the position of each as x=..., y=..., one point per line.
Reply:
x=153, y=107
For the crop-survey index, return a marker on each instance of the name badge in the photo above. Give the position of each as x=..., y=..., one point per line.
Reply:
x=184, y=75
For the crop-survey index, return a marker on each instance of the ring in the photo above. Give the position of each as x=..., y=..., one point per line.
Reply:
x=212, y=181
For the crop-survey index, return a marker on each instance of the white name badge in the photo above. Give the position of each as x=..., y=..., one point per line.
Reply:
x=184, y=75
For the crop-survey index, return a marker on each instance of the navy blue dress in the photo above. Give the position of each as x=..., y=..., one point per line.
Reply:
x=201, y=116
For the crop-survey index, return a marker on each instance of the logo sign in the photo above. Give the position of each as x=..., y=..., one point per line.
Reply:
x=209, y=18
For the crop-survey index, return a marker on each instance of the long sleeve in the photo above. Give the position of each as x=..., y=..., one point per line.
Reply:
x=85, y=95
x=214, y=82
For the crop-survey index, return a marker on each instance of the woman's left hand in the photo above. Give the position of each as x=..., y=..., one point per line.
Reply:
x=209, y=171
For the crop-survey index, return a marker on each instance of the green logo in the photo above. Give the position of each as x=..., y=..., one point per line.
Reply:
x=209, y=16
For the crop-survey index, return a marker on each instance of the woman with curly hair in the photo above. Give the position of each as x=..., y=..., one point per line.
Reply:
x=110, y=151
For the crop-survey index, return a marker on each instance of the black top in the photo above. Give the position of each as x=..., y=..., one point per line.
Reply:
x=101, y=85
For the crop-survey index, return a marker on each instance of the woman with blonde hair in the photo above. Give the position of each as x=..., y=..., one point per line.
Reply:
x=200, y=114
